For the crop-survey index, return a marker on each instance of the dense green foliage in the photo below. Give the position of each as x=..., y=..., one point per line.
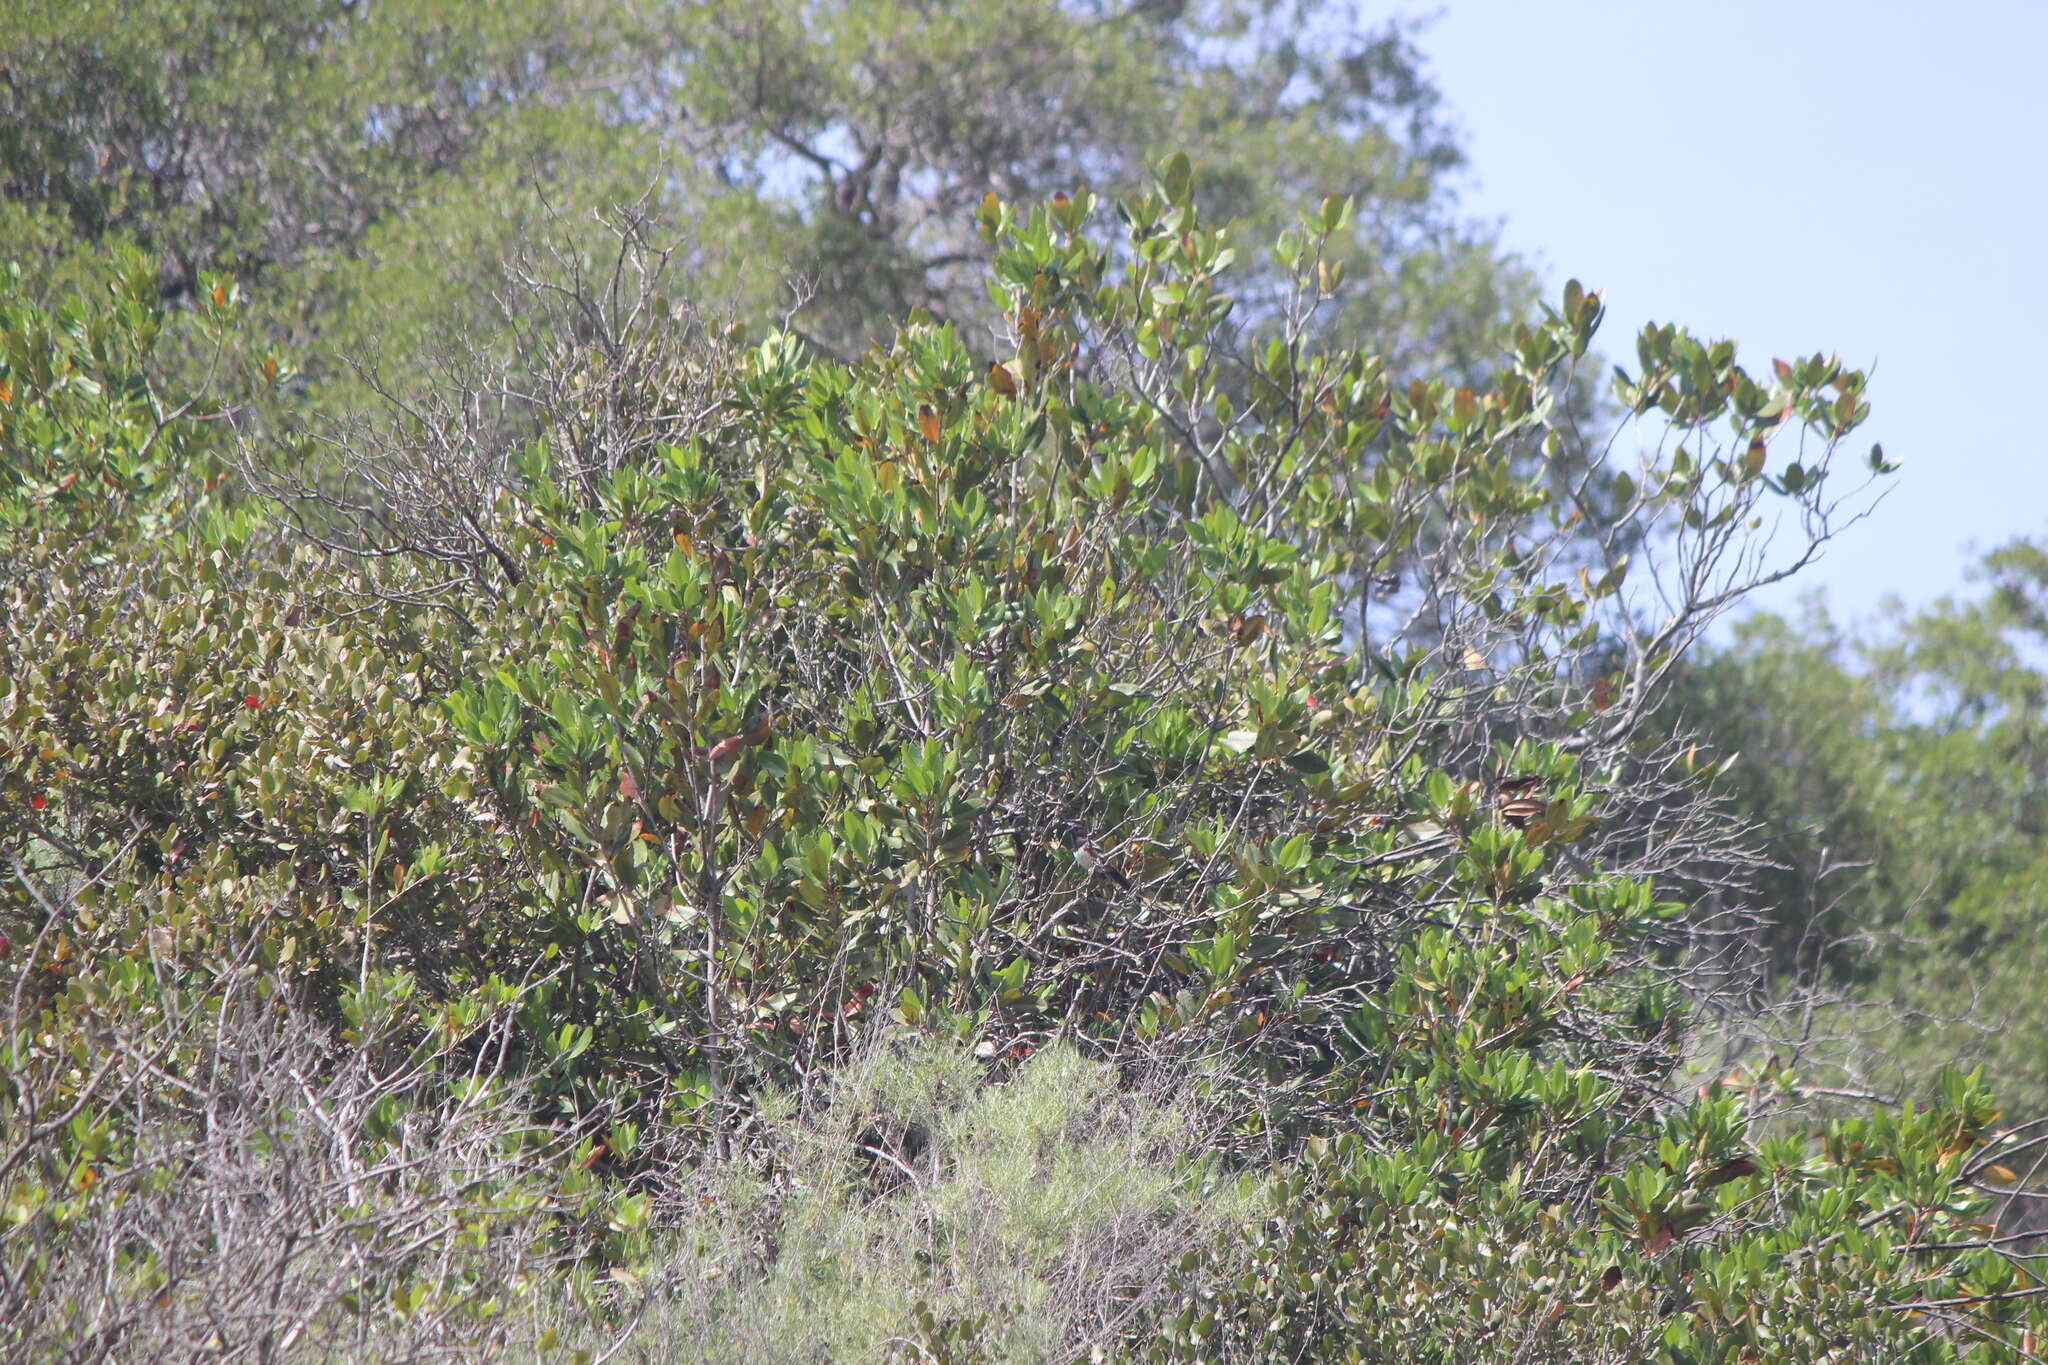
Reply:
x=990, y=704
x=1053, y=804
x=377, y=174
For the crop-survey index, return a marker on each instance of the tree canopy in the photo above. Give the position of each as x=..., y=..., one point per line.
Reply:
x=380, y=169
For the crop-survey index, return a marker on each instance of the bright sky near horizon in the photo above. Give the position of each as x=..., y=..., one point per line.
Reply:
x=1868, y=179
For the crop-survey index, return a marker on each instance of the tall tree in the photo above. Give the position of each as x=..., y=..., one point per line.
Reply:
x=885, y=122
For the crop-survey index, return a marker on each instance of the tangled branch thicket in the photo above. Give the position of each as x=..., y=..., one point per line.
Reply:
x=592, y=353
x=245, y=1186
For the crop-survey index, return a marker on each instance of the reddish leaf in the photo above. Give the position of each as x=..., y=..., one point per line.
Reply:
x=622, y=634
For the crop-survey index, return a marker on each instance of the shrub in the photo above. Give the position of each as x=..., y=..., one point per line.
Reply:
x=1169, y=691
x=920, y=1209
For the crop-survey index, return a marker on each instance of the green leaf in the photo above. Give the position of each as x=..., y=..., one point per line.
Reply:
x=1238, y=741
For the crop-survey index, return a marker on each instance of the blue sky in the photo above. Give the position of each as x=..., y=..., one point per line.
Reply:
x=1867, y=179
